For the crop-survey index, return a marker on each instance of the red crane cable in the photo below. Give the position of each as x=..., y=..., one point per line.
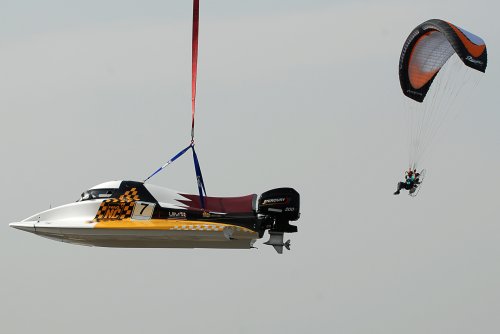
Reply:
x=199, y=177
x=196, y=5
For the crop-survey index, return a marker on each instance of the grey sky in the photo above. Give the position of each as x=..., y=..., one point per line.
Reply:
x=301, y=94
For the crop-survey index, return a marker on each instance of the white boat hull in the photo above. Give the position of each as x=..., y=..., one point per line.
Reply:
x=139, y=238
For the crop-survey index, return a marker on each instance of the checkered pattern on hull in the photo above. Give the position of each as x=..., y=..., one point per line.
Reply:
x=129, y=195
x=120, y=208
x=207, y=227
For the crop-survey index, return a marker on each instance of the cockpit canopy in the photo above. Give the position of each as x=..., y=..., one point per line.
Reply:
x=102, y=191
x=96, y=194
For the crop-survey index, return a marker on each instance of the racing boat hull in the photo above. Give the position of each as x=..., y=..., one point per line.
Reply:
x=183, y=235
x=132, y=214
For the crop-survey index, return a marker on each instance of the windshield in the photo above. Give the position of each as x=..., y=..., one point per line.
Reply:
x=96, y=194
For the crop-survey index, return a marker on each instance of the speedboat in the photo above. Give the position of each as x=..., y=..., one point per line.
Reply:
x=139, y=215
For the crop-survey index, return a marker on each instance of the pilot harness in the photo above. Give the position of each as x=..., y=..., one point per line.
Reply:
x=199, y=178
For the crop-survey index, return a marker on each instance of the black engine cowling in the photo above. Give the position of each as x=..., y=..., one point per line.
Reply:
x=283, y=206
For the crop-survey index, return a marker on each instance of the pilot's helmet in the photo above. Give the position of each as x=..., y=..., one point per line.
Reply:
x=85, y=196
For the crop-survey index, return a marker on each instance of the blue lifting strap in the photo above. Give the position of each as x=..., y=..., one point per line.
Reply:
x=199, y=179
x=178, y=155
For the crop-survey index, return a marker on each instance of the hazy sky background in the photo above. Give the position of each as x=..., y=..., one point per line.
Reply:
x=290, y=93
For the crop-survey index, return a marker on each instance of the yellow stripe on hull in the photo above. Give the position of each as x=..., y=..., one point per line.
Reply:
x=168, y=224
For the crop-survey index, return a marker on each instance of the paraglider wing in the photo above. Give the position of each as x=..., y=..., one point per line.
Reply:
x=428, y=48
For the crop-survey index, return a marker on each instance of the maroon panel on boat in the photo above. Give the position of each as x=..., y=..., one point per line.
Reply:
x=241, y=204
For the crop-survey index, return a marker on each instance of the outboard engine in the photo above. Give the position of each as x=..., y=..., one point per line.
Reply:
x=278, y=207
